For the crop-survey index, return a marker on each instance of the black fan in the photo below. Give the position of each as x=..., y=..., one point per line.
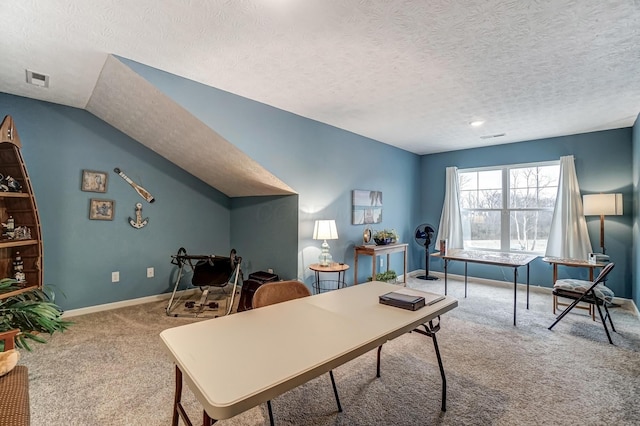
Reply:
x=424, y=236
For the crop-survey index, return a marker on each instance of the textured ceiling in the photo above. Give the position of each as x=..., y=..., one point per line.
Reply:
x=162, y=125
x=407, y=73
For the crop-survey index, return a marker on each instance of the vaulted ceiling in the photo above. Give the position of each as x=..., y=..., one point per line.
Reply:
x=413, y=74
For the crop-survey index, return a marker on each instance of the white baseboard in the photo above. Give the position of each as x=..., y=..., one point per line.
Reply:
x=125, y=303
x=624, y=303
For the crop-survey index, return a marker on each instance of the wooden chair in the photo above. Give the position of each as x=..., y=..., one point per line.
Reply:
x=14, y=389
x=593, y=292
x=282, y=291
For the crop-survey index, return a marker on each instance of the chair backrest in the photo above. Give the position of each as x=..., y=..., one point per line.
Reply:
x=603, y=274
x=281, y=291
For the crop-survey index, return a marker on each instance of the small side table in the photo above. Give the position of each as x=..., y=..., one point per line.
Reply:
x=338, y=268
x=576, y=263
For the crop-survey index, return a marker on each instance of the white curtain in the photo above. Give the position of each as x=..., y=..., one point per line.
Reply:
x=568, y=237
x=450, y=228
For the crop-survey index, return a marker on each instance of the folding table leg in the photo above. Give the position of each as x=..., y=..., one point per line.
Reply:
x=335, y=391
x=431, y=331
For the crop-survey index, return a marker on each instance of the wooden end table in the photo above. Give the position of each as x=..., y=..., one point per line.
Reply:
x=338, y=268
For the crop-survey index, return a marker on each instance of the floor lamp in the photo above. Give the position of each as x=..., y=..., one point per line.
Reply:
x=602, y=205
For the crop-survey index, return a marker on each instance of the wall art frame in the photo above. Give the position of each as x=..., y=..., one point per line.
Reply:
x=94, y=181
x=367, y=207
x=100, y=209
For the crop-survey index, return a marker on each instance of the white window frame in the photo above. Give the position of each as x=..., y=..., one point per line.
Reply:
x=505, y=211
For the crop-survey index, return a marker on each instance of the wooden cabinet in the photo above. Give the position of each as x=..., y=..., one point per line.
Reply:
x=20, y=205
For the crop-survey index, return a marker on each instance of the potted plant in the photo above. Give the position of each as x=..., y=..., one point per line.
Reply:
x=33, y=312
x=385, y=236
x=389, y=276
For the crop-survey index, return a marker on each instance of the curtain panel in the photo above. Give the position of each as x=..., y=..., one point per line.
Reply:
x=568, y=236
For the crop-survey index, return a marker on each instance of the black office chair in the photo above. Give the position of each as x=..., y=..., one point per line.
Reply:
x=277, y=292
x=594, y=293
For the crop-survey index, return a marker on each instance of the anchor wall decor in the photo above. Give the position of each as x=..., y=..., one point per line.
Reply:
x=138, y=222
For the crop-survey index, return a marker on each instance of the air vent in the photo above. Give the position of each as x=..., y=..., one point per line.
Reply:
x=497, y=135
x=37, y=79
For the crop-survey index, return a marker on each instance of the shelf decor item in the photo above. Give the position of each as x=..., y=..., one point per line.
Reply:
x=93, y=181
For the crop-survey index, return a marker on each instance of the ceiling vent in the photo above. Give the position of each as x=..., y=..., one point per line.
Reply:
x=497, y=135
x=37, y=79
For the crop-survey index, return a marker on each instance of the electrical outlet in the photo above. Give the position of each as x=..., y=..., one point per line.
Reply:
x=115, y=277
x=150, y=272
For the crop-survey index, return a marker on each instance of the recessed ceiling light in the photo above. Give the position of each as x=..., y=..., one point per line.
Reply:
x=476, y=123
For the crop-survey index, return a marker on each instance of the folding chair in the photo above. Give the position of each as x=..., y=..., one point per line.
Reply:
x=208, y=271
x=282, y=291
x=594, y=293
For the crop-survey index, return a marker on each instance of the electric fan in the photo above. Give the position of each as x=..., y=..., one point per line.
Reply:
x=424, y=236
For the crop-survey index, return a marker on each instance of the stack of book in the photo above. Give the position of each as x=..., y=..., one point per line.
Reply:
x=410, y=299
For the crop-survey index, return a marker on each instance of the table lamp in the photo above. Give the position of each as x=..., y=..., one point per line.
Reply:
x=601, y=205
x=325, y=230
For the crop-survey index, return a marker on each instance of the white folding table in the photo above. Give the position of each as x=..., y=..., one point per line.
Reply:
x=297, y=341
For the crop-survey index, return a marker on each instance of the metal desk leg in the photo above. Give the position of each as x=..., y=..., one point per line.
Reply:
x=465, y=279
x=178, y=409
x=446, y=263
x=515, y=292
x=431, y=331
x=374, y=258
x=528, y=286
x=355, y=269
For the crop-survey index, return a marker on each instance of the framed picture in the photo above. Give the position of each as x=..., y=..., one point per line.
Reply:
x=101, y=209
x=367, y=207
x=93, y=181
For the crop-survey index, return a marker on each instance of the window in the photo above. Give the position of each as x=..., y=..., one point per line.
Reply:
x=508, y=208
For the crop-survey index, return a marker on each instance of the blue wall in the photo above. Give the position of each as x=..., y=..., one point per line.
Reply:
x=264, y=231
x=636, y=212
x=80, y=254
x=603, y=164
x=320, y=162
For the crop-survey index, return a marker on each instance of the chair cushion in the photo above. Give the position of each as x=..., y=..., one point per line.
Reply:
x=580, y=286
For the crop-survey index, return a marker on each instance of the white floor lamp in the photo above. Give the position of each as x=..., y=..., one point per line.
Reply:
x=602, y=205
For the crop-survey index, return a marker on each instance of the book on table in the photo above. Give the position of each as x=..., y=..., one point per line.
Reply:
x=410, y=299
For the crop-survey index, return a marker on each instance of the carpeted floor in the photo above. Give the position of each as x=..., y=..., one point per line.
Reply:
x=110, y=368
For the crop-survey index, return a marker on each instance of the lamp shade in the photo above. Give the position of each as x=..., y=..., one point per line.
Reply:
x=325, y=230
x=602, y=204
